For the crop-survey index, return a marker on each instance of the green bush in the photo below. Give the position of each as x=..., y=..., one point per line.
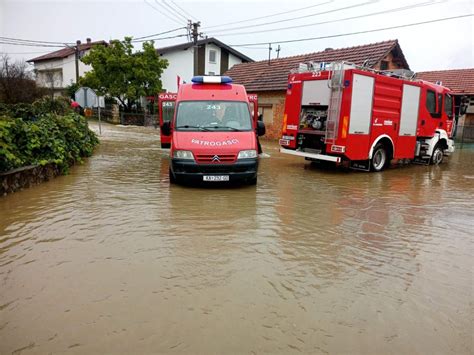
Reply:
x=63, y=140
x=39, y=108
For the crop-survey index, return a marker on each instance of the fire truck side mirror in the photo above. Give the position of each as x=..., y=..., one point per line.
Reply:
x=261, y=130
x=166, y=128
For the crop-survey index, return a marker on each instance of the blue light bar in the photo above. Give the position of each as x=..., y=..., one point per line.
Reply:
x=211, y=79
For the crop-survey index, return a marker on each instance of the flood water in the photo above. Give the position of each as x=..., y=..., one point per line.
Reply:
x=112, y=259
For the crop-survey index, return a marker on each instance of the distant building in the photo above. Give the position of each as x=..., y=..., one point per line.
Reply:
x=269, y=79
x=57, y=70
x=461, y=82
x=213, y=58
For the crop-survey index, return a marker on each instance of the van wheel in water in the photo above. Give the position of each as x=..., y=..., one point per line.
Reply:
x=252, y=181
x=172, y=178
x=437, y=157
x=379, y=158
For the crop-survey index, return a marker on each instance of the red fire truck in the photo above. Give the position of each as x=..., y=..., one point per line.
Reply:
x=346, y=114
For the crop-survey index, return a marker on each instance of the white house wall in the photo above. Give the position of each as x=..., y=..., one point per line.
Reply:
x=212, y=67
x=179, y=63
x=233, y=60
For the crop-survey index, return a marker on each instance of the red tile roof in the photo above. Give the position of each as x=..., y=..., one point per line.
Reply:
x=461, y=81
x=65, y=52
x=260, y=76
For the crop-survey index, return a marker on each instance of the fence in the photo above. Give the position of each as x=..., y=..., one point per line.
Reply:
x=139, y=119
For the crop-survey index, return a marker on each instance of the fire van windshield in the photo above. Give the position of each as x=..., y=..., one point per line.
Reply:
x=213, y=116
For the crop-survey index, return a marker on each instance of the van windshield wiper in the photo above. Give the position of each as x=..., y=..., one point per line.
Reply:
x=227, y=127
x=197, y=127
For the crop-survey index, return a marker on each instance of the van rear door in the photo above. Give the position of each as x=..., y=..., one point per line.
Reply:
x=166, y=108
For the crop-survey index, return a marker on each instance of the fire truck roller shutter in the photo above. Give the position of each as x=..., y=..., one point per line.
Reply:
x=361, y=104
x=315, y=92
x=409, y=112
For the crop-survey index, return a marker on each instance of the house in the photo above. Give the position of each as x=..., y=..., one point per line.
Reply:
x=269, y=79
x=57, y=70
x=213, y=58
x=461, y=82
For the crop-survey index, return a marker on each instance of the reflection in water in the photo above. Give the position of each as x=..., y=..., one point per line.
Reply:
x=112, y=259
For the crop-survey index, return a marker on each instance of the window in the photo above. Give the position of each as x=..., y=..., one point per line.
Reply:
x=267, y=113
x=212, y=73
x=167, y=110
x=213, y=116
x=431, y=102
x=448, y=106
x=383, y=65
x=212, y=56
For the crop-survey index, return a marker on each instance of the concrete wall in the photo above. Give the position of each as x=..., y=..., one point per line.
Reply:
x=276, y=101
x=179, y=63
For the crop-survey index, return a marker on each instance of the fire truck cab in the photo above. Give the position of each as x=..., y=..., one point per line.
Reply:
x=214, y=132
x=343, y=113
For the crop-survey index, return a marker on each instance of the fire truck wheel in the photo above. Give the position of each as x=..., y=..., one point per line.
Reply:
x=437, y=157
x=379, y=158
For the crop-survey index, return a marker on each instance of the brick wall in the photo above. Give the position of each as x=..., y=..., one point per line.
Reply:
x=275, y=100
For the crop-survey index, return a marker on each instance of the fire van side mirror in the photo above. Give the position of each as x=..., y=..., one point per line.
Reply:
x=260, y=117
x=260, y=128
x=166, y=128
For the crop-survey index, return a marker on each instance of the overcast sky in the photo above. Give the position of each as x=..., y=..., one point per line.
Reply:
x=440, y=45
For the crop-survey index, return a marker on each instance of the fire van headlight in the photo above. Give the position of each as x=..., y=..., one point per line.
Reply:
x=183, y=154
x=247, y=154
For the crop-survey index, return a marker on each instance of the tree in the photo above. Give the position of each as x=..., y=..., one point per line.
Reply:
x=122, y=74
x=16, y=83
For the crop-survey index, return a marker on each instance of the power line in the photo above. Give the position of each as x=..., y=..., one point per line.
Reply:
x=355, y=33
x=183, y=10
x=271, y=15
x=30, y=44
x=161, y=6
x=23, y=52
x=31, y=41
x=157, y=39
x=164, y=14
x=173, y=10
x=369, y=2
x=161, y=33
x=403, y=8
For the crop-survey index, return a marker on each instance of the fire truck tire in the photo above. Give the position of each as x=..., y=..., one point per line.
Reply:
x=379, y=158
x=437, y=157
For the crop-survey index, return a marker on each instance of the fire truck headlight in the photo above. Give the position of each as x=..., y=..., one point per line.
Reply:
x=247, y=154
x=183, y=154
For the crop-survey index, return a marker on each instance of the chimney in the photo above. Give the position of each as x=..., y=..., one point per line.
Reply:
x=328, y=49
x=88, y=40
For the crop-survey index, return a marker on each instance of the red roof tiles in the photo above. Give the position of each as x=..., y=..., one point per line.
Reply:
x=260, y=76
x=66, y=51
x=461, y=81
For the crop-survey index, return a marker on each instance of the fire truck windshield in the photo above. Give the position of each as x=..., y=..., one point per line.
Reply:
x=213, y=115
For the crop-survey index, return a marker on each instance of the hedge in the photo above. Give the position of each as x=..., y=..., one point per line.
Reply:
x=47, y=138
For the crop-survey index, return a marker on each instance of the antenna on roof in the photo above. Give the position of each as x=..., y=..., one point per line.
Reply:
x=269, y=52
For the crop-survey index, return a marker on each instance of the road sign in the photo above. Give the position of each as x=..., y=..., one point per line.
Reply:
x=86, y=97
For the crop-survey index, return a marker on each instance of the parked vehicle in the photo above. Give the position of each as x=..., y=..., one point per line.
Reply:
x=166, y=107
x=363, y=118
x=214, y=132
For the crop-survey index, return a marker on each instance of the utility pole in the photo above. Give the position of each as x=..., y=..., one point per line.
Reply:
x=278, y=51
x=195, y=34
x=269, y=52
x=76, y=54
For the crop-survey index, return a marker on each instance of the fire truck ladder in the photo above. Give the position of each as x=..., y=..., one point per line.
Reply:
x=335, y=83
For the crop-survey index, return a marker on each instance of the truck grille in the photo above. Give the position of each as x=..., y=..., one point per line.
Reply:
x=211, y=158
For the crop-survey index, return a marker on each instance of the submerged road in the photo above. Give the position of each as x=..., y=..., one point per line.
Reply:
x=112, y=259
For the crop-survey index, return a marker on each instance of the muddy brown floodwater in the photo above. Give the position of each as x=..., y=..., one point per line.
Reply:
x=112, y=259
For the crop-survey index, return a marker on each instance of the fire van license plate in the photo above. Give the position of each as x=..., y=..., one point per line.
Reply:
x=215, y=178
